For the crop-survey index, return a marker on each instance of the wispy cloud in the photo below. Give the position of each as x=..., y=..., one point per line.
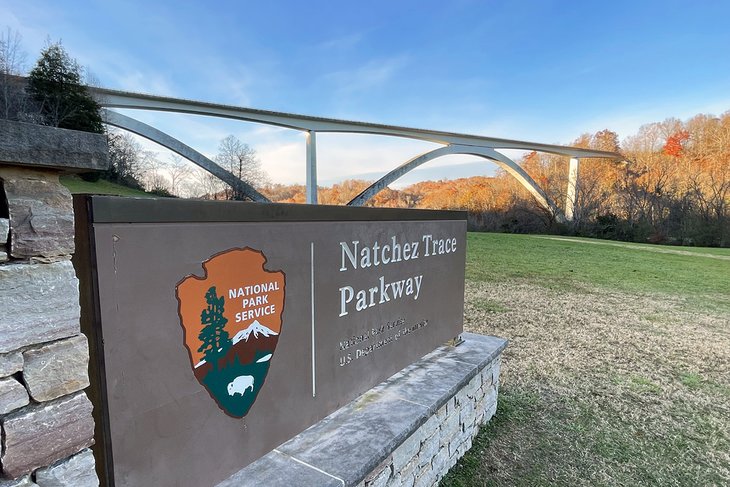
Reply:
x=342, y=43
x=227, y=83
x=373, y=74
x=341, y=156
x=143, y=82
x=284, y=162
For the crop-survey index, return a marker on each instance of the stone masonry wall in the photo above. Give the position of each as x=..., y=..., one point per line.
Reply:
x=428, y=454
x=45, y=416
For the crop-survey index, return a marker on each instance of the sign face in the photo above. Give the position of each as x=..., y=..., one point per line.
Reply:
x=216, y=339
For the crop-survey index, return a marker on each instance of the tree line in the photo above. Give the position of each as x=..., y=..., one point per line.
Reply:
x=132, y=166
x=672, y=188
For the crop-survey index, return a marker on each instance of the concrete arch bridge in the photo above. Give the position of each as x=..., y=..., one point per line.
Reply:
x=451, y=143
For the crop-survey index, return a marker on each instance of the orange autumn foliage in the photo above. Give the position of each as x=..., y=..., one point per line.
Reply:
x=674, y=186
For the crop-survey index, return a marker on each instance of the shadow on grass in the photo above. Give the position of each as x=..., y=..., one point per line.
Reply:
x=545, y=439
x=512, y=409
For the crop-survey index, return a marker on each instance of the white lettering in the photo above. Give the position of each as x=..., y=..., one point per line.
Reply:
x=384, y=290
x=385, y=253
x=426, y=240
x=255, y=313
x=395, y=255
x=346, y=252
x=418, y=279
x=347, y=290
x=397, y=287
x=365, y=257
x=361, y=300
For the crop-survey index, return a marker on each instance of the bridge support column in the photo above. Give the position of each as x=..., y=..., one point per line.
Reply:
x=311, y=167
x=572, y=192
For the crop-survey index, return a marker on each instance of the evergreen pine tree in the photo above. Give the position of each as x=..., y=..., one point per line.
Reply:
x=55, y=84
x=214, y=337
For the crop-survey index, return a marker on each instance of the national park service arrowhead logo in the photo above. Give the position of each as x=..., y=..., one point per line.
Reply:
x=231, y=319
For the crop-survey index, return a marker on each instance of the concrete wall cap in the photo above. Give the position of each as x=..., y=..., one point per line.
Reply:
x=27, y=144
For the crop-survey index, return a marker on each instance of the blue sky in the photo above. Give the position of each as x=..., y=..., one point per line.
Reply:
x=543, y=71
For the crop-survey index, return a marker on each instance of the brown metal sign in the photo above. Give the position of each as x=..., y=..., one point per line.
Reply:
x=220, y=330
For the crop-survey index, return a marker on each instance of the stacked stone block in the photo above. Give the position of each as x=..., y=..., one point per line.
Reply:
x=428, y=454
x=45, y=416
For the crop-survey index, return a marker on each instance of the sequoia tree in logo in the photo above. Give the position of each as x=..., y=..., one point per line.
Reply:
x=231, y=319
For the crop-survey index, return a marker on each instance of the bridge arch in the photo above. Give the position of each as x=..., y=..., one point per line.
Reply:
x=130, y=124
x=500, y=159
x=456, y=143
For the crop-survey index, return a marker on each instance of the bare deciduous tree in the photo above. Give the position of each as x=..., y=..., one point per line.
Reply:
x=208, y=186
x=179, y=173
x=14, y=103
x=241, y=160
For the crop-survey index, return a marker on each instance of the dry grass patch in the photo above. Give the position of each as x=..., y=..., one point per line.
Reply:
x=601, y=388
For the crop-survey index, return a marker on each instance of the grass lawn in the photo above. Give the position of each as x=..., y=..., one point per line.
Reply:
x=77, y=185
x=618, y=368
x=574, y=264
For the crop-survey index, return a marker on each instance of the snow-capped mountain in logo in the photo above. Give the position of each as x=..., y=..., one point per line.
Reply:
x=254, y=329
